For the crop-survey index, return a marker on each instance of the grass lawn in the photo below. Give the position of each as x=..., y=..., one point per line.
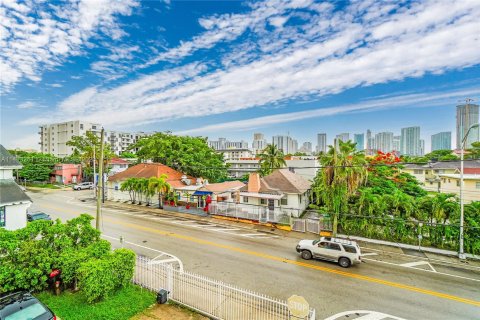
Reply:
x=44, y=185
x=123, y=305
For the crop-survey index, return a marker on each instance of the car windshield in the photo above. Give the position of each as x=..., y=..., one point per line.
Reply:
x=39, y=216
x=31, y=312
x=316, y=241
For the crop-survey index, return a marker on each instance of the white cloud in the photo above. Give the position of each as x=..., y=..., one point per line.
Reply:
x=332, y=52
x=35, y=36
x=30, y=104
x=25, y=142
x=433, y=99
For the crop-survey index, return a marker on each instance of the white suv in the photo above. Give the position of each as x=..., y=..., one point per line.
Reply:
x=344, y=252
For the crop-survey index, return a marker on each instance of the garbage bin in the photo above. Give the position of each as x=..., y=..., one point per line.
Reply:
x=162, y=296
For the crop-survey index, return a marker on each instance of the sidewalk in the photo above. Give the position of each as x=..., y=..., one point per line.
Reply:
x=372, y=244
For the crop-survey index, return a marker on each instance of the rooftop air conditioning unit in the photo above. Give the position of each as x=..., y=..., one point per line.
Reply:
x=187, y=181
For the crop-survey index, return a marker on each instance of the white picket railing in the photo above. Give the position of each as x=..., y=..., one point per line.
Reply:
x=211, y=297
x=250, y=212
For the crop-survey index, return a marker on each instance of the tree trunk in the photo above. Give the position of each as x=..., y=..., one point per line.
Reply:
x=335, y=224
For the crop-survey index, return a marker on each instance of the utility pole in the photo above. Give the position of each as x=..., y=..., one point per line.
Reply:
x=100, y=187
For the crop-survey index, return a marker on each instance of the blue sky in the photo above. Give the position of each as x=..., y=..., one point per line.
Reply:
x=231, y=68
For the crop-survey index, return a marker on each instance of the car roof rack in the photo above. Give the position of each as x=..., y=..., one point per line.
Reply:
x=339, y=240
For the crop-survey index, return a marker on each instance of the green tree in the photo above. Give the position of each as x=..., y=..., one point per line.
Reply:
x=474, y=151
x=86, y=146
x=128, y=155
x=130, y=186
x=36, y=166
x=342, y=173
x=271, y=158
x=190, y=155
x=160, y=186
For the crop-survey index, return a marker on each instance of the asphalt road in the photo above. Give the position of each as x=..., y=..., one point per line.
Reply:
x=269, y=264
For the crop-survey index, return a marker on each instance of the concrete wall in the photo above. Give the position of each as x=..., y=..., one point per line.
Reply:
x=16, y=216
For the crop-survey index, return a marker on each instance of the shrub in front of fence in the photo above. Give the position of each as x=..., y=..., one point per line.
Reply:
x=99, y=278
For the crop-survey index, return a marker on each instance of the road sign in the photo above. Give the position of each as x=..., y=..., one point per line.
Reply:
x=298, y=306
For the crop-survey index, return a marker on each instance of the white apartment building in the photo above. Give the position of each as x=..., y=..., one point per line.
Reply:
x=235, y=154
x=121, y=141
x=222, y=144
x=54, y=137
x=242, y=167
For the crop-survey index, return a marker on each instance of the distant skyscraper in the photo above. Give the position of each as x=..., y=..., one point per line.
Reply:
x=442, y=141
x=422, y=147
x=371, y=148
x=344, y=137
x=359, y=139
x=467, y=115
x=396, y=143
x=259, y=143
x=410, y=141
x=285, y=143
x=223, y=143
x=322, y=142
x=306, y=148
x=384, y=141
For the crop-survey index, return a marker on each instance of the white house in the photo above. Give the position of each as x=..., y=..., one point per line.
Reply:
x=117, y=165
x=13, y=200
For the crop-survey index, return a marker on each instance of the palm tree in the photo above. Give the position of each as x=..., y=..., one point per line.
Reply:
x=129, y=185
x=342, y=173
x=161, y=186
x=271, y=158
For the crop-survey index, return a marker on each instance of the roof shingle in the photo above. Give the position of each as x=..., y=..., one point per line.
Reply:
x=7, y=160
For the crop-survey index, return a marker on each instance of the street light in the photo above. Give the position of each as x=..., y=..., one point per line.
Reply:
x=461, y=254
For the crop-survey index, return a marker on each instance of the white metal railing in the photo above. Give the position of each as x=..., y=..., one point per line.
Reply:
x=250, y=212
x=211, y=297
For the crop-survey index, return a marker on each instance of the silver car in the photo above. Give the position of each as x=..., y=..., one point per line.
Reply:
x=344, y=252
x=83, y=186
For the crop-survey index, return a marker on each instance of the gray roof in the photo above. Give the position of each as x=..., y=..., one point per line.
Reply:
x=7, y=160
x=10, y=193
x=285, y=181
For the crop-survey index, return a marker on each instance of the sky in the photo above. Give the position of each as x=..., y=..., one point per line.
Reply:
x=232, y=68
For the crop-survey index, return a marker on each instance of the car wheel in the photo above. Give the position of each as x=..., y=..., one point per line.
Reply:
x=344, y=262
x=307, y=255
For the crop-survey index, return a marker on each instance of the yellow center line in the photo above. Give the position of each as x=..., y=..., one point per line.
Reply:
x=284, y=260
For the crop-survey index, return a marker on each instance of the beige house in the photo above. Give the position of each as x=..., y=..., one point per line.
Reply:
x=429, y=175
x=450, y=183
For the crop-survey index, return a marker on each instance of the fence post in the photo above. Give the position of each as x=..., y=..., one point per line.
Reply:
x=219, y=293
x=170, y=280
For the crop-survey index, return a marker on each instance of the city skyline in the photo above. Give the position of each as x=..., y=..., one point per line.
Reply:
x=158, y=66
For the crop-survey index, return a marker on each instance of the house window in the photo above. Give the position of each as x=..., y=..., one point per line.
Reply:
x=417, y=171
x=477, y=185
x=245, y=199
x=458, y=183
x=263, y=201
x=283, y=201
x=2, y=217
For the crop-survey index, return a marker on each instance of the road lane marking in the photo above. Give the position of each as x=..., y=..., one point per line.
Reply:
x=418, y=263
x=369, y=254
x=425, y=270
x=285, y=260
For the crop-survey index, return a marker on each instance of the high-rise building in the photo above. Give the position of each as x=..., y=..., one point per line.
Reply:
x=344, y=137
x=222, y=144
x=442, y=141
x=359, y=139
x=396, y=143
x=322, y=142
x=259, y=143
x=371, y=148
x=54, y=137
x=410, y=141
x=384, y=141
x=306, y=148
x=422, y=147
x=285, y=143
x=467, y=115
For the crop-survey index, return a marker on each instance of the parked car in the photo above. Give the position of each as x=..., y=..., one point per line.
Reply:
x=342, y=251
x=34, y=216
x=22, y=305
x=83, y=186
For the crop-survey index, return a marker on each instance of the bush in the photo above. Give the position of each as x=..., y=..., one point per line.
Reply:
x=99, y=278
